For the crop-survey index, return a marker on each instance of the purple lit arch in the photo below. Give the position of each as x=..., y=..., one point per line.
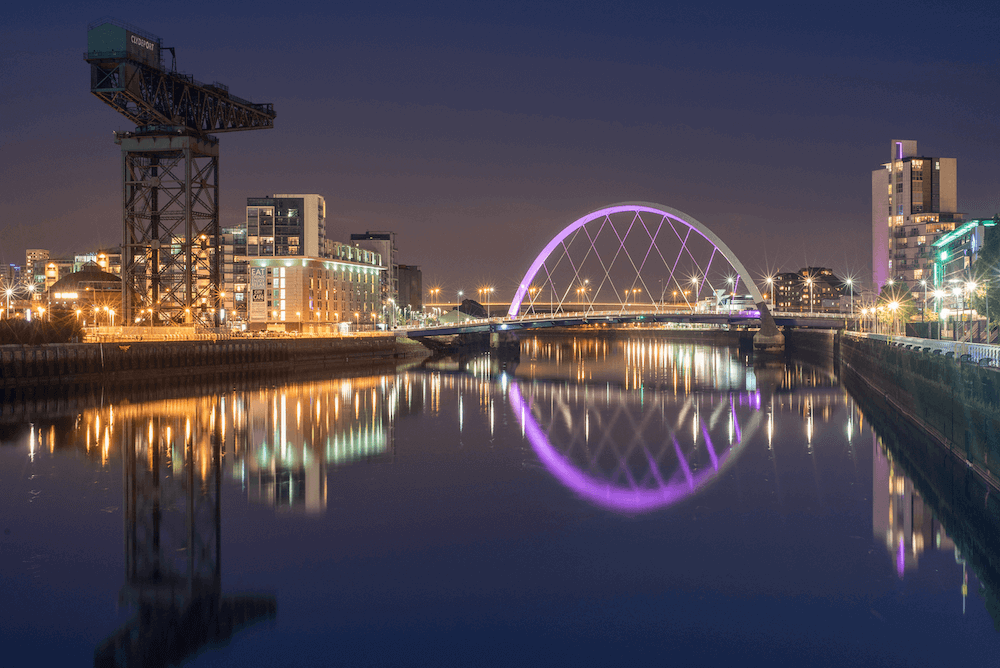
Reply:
x=632, y=499
x=676, y=226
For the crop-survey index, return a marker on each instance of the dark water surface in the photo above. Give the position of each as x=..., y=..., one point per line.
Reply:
x=604, y=502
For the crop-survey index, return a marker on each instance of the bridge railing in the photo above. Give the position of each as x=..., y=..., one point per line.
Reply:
x=977, y=352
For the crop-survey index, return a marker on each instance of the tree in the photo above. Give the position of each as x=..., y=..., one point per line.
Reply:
x=897, y=293
x=986, y=298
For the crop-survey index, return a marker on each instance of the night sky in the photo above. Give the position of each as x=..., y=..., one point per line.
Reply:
x=477, y=131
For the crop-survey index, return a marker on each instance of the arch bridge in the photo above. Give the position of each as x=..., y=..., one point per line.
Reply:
x=631, y=262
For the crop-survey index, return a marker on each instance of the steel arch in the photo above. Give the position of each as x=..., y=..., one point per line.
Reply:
x=638, y=208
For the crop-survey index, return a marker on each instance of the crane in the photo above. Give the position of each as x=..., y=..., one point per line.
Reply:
x=171, y=241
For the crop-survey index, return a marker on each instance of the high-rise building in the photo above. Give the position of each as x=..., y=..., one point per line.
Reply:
x=914, y=202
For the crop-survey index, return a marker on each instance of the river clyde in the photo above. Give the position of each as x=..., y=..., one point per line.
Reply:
x=606, y=500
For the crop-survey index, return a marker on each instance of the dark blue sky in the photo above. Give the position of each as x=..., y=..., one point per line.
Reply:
x=477, y=131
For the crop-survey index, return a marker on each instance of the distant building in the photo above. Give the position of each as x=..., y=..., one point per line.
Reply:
x=10, y=275
x=91, y=291
x=814, y=289
x=914, y=202
x=34, y=265
x=411, y=288
x=56, y=268
x=109, y=260
x=383, y=243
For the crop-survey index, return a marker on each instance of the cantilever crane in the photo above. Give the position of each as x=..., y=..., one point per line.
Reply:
x=171, y=245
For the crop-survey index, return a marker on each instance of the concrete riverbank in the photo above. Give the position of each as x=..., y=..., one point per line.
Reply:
x=955, y=401
x=86, y=363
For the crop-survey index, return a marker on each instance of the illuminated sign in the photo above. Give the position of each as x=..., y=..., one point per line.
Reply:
x=258, y=288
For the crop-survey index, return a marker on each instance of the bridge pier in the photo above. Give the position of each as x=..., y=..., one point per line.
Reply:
x=769, y=338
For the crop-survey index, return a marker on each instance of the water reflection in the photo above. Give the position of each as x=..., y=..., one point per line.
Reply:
x=171, y=454
x=635, y=426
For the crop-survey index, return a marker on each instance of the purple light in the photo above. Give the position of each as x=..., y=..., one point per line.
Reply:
x=637, y=209
x=899, y=150
x=900, y=559
x=601, y=492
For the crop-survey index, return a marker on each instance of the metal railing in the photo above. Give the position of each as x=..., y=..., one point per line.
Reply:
x=977, y=352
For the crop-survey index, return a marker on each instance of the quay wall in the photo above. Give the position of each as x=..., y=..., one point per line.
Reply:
x=81, y=363
x=957, y=402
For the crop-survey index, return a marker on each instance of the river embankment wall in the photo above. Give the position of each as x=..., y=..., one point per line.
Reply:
x=956, y=402
x=83, y=363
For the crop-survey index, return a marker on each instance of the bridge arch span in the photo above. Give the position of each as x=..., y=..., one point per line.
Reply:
x=652, y=255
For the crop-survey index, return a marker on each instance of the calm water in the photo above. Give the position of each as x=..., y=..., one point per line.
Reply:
x=604, y=502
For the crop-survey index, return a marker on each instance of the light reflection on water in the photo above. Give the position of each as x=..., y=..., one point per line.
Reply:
x=631, y=426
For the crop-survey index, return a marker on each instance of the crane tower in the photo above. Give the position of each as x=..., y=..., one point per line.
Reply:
x=171, y=246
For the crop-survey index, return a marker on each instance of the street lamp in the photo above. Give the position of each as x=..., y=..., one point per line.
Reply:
x=356, y=321
x=939, y=295
x=770, y=288
x=850, y=285
x=893, y=307
x=809, y=282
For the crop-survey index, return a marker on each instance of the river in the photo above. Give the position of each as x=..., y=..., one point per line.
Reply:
x=607, y=500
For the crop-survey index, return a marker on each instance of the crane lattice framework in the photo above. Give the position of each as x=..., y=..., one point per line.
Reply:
x=171, y=242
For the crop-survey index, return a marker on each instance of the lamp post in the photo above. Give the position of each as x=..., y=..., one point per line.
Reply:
x=809, y=282
x=458, y=308
x=970, y=289
x=850, y=286
x=9, y=292
x=770, y=288
x=939, y=295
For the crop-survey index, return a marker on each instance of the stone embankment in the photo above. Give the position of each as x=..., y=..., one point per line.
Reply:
x=82, y=363
x=956, y=401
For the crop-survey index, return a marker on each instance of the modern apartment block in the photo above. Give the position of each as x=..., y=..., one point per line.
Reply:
x=383, y=243
x=914, y=202
x=315, y=295
x=286, y=225
x=809, y=289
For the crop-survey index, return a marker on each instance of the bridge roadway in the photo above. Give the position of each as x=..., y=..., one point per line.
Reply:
x=571, y=319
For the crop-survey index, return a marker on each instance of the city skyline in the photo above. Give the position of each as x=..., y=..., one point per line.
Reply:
x=476, y=135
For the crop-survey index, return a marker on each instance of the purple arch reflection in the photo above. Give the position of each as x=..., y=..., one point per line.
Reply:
x=638, y=208
x=602, y=492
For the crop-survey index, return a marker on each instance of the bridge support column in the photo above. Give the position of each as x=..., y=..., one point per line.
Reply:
x=769, y=338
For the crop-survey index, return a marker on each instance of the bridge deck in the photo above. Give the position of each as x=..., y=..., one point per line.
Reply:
x=746, y=319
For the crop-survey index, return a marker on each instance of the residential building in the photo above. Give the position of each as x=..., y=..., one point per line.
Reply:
x=109, y=260
x=814, y=289
x=234, y=273
x=34, y=265
x=56, y=268
x=286, y=225
x=10, y=275
x=314, y=294
x=383, y=243
x=914, y=202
